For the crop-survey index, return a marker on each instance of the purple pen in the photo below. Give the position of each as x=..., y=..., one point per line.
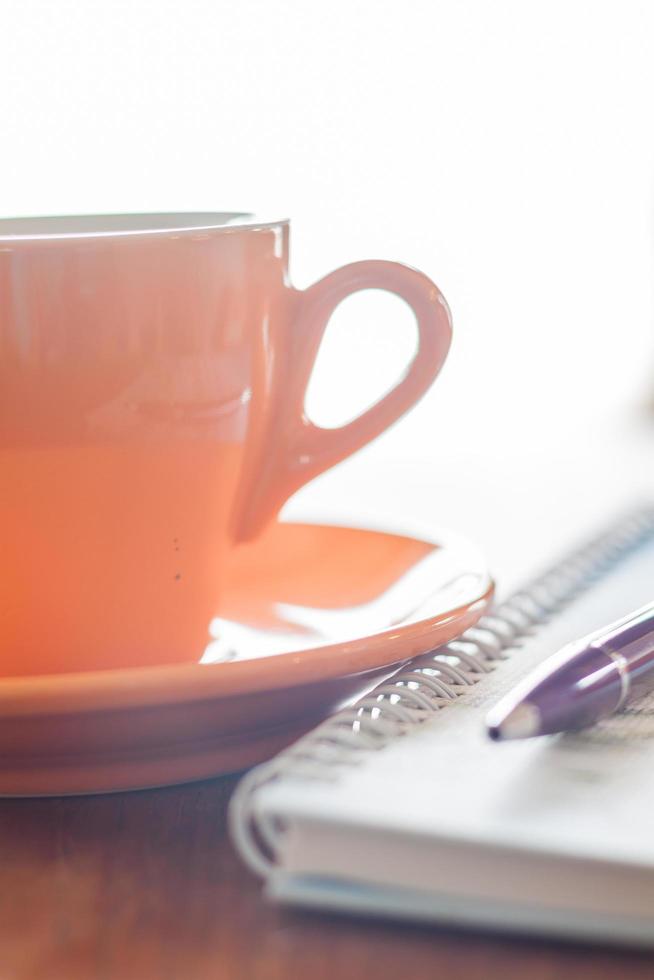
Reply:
x=585, y=681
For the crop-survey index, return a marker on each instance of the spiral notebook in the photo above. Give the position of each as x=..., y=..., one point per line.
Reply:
x=400, y=805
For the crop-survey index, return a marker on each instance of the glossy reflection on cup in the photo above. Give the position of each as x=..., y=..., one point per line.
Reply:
x=152, y=379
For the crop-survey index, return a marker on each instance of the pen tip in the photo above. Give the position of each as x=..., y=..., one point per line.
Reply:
x=523, y=721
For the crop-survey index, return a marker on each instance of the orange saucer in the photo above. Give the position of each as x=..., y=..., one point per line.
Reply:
x=312, y=616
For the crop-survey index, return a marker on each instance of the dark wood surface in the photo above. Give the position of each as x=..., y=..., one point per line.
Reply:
x=146, y=885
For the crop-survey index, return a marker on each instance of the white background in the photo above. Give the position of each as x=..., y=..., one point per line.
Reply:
x=504, y=148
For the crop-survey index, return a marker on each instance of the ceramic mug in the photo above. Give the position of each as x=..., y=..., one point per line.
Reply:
x=152, y=378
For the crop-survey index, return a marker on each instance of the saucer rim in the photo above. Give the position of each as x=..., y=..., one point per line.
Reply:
x=157, y=685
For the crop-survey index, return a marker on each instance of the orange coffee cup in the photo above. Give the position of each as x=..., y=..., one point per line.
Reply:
x=152, y=378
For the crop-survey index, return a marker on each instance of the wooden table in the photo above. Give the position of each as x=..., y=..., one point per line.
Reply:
x=146, y=885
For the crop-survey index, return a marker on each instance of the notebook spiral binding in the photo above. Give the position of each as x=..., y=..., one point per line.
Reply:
x=417, y=692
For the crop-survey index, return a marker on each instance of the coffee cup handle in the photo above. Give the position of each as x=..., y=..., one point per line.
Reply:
x=286, y=449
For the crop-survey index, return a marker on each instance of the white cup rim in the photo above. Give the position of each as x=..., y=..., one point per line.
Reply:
x=57, y=226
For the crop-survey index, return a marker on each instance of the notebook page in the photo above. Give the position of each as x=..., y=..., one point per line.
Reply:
x=589, y=795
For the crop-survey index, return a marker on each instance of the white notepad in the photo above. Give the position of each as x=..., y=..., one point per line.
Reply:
x=401, y=806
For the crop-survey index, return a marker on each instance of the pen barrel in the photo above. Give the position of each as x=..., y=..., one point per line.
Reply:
x=582, y=683
x=584, y=690
x=631, y=642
